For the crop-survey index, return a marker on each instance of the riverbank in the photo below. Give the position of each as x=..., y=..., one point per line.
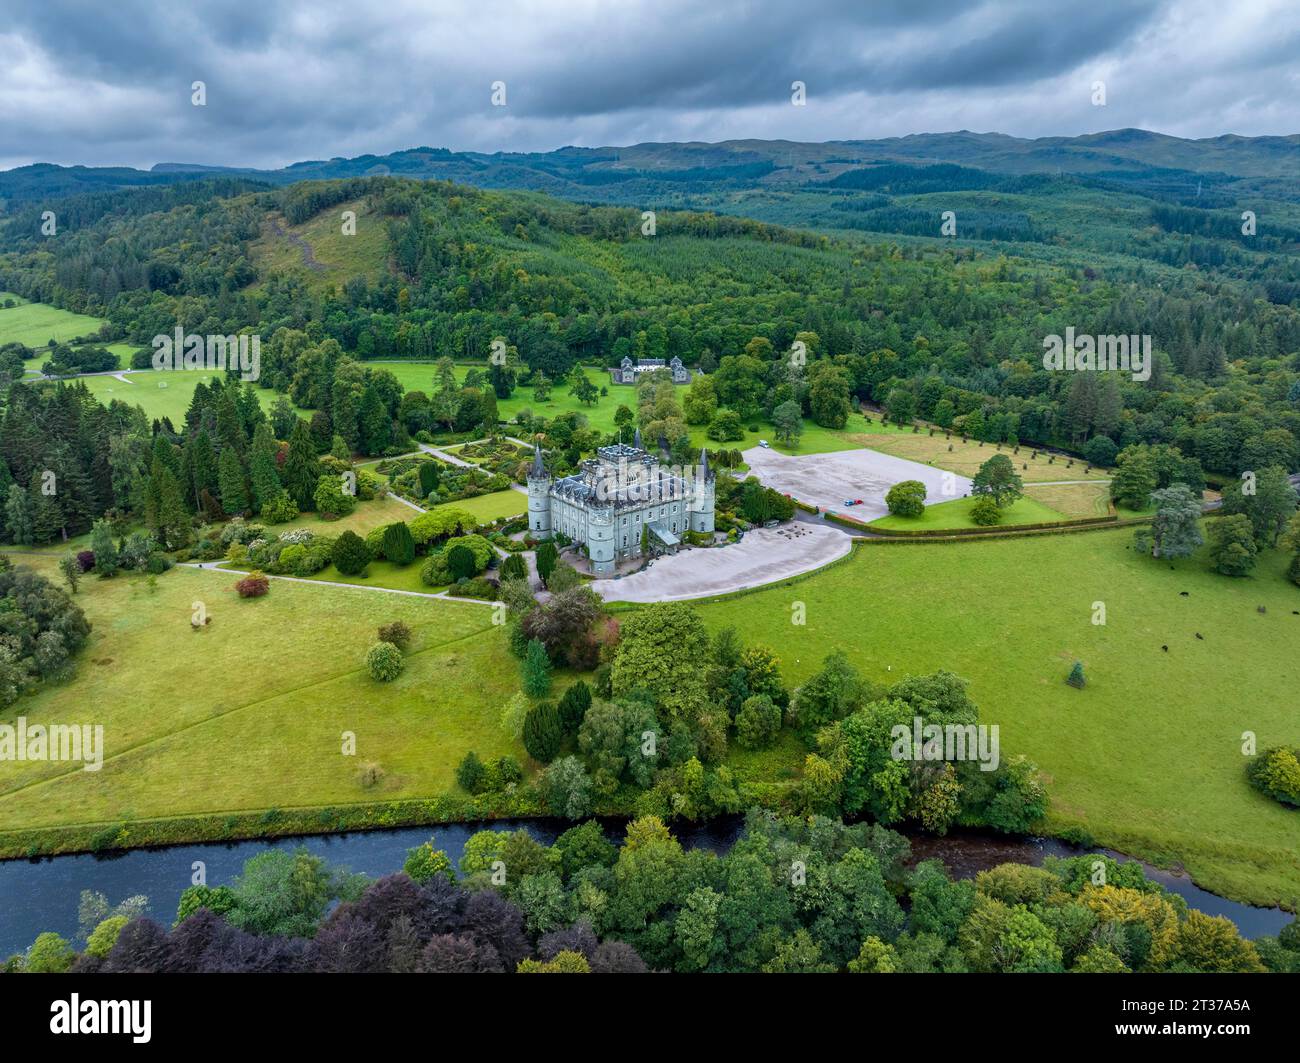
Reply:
x=43, y=894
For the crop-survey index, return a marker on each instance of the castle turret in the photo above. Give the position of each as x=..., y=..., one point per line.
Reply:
x=699, y=506
x=636, y=440
x=601, y=548
x=539, y=497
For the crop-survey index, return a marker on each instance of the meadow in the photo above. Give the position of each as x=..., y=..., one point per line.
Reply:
x=956, y=514
x=35, y=324
x=1147, y=757
x=250, y=712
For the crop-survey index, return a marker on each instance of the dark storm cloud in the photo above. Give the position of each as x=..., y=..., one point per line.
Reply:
x=289, y=79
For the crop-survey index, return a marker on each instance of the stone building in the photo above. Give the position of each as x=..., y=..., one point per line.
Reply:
x=627, y=371
x=620, y=504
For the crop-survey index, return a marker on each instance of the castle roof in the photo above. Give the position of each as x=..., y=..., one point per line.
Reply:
x=537, y=471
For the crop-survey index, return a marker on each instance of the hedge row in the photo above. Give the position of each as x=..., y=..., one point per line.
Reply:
x=807, y=507
x=1018, y=532
x=933, y=533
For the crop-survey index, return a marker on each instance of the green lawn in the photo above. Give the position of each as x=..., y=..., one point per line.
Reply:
x=1148, y=756
x=165, y=394
x=248, y=713
x=489, y=507
x=35, y=324
x=956, y=514
x=966, y=458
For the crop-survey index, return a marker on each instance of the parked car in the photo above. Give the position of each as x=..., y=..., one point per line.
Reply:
x=853, y=501
x=765, y=443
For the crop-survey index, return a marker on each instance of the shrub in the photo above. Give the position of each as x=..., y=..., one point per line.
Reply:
x=1075, y=678
x=395, y=632
x=254, y=585
x=985, y=511
x=350, y=554
x=86, y=559
x=279, y=509
x=1276, y=772
x=906, y=499
x=542, y=732
x=514, y=567
x=574, y=705
x=330, y=498
x=757, y=722
x=460, y=563
x=470, y=773
x=384, y=662
x=399, y=546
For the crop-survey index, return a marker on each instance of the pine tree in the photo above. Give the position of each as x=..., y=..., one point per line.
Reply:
x=47, y=515
x=1075, y=678
x=234, y=495
x=201, y=462
x=301, y=468
x=18, y=515
x=262, y=469
x=536, y=670
x=165, y=514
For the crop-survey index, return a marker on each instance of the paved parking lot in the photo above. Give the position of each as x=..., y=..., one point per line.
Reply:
x=826, y=480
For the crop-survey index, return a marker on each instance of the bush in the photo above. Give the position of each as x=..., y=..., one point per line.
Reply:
x=384, y=662
x=574, y=705
x=396, y=633
x=279, y=509
x=330, y=498
x=514, y=567
x=470, y=773
x=460, y=563
x=542, y=732
x=399, y=546
x=86, y=559
x=757, y=722
x=906, y=499
x=985, y=511
x=350, y=554
x=1276, y=772
x=254, y=585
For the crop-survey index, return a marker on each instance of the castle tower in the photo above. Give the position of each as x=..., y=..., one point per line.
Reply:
x=600, y=538
x=636, y=440
x=539, y=497
x=699, y=506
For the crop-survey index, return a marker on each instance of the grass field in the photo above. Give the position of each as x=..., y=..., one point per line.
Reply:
x=35, y=324
x=956, y=514
x=966, y=458
x=249, y=713
x=1074, y=500
x=1148, y=755
x=166, y=394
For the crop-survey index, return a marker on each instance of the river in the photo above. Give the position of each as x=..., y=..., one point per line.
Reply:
x=42, y=894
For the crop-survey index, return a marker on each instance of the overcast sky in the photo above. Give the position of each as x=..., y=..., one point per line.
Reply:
x=109, y=83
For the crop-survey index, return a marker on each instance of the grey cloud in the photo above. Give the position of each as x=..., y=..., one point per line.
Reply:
x=292, y=79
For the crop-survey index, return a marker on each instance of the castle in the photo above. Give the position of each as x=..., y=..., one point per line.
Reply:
x=618, y=499
x=627, y=370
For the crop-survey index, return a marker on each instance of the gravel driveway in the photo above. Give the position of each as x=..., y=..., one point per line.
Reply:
x=764, y=555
